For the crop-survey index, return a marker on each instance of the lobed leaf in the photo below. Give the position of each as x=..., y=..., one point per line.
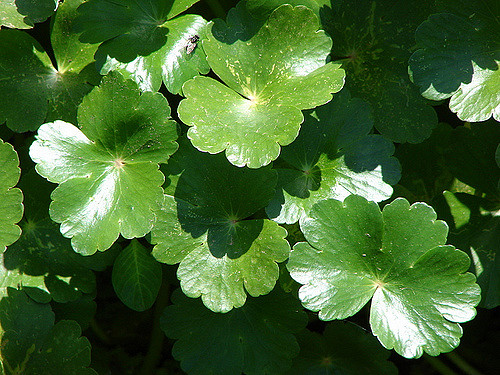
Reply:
x=11, y=207
x=333, y=157
x=418, y=286
x=272, y=72
x=108, y=171
x=459, y=59
x=17, y=14
x=206, y=225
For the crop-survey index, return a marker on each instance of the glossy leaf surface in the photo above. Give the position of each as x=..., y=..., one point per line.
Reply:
x=333, y=157
x=270, y=72
x=108, y=171
x=418, y=286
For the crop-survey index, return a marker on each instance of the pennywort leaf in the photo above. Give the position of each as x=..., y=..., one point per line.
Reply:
x=418, y=285
x=108, y=170
x=269, y=73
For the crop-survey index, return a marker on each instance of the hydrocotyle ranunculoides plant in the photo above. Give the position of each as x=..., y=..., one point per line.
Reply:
x=418, y=286
x=333, y=157
x=148, y=42
x=107, y=170
x=206, y=224
x=270, y=72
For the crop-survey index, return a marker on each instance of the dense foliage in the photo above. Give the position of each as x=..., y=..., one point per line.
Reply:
x=261, y=187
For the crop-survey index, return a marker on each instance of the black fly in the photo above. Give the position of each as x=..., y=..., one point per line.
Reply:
x=191, y=44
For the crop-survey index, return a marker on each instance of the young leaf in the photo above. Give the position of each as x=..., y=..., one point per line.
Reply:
x=271, y=73
x=332, y=157
x=374, y=40
x=32, y=89
x=128, y=28
x=32, y=344
x=18, y=14
x=108, y=172
x=459, y=58
x=11, y=207
x=344, y=348
x=396, y=258
x=208, y=230
x=180, y=59
x=255, y=339
x=136, y=277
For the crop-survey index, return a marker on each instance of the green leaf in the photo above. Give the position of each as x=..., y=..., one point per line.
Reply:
x=208, y=228
x=42, y=258
x=128, y=28
x=417, y=285
x=333, y=157
x=11, y=207
x=459, y=59
x=173, y=63
x=373, y=40
x=271, y=73
x=136, y=277
x=262, y=8
x=344, y=348
x=32, y=344
x=23, y=14
x=255, y=339
x=108, y=170
x=32, y=89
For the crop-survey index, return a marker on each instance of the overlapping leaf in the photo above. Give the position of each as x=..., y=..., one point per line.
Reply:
x=396, y=258
x=333, y=157
x=460, y=59
x=177, y=61
x=270, y=72
x=107, y=171
x=32, y=89
x=136, y=277
x=128, y=28
x=374, y=39
x=42, y=261
x=11, y=208
x=19, y=14
x=343, y=348
x=32, y=344
x=208, y=229
x=255, y=339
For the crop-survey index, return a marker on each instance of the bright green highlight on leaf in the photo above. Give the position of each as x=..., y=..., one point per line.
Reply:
x=32, y=89
x=460, y=59
x=270, y=74
x=174, y=63
x=19, y=14
x=333, y=157
x=136, y=277
x=128, y=28
x=208, y=229
x=108, y=171
x=256, y=339
x=397, y=258
x=32, y=344
x=11, y=207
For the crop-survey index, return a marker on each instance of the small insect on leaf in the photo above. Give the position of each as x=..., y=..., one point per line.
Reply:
x=192, y=43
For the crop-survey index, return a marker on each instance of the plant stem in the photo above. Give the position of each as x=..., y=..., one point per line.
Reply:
x=153, y=355
x=216, y=8
x=462, y=364
x=439, y=365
